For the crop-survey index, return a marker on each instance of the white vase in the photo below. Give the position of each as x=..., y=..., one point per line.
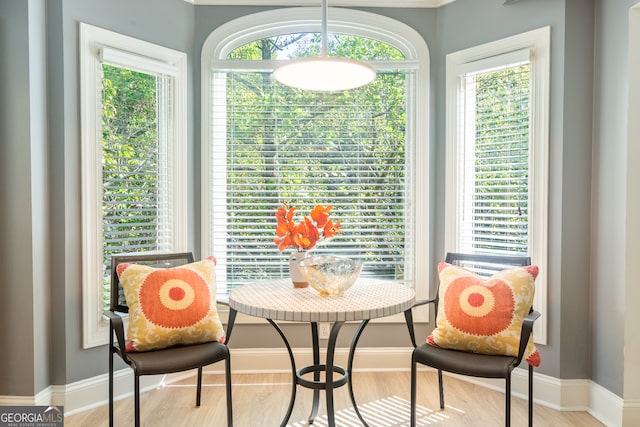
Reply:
x=298, y=279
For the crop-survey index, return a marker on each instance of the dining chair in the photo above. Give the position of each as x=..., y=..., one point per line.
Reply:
x=469, y=363
x=160, y=361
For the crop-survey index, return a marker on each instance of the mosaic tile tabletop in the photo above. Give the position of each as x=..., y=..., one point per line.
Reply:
x=277, y=299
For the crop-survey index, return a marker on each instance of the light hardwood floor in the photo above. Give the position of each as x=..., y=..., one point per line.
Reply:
x=383, y=399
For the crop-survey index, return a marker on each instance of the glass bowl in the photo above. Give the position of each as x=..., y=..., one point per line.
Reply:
x=330, y=275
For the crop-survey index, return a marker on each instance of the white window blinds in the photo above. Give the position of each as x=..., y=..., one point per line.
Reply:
x=497, y=138
x=274, y=144
x=135, y=166
x=133, y=114
x=495, y=105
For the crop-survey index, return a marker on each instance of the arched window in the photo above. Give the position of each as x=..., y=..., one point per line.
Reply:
x=363, y=151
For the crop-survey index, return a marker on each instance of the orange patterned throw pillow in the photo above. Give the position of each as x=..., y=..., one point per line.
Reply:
x=484, y=315
x=171, y=306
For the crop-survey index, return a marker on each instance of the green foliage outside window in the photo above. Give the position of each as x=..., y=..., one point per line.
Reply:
x=346, y=149
x=130, y=163
x=501, y=174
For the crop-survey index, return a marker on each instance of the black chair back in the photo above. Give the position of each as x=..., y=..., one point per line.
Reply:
x=486, y=265
x=117, y=301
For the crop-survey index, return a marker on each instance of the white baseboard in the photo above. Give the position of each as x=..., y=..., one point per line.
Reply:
x=563, y=395
x=631, y=410
x=611, y=409
x=94, y=392
x=606, y=406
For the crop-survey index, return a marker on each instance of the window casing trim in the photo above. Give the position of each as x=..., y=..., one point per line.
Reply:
x=305, y=19
x=260, y=25
x=348, y=3
x=537, y=42
x=92, y=41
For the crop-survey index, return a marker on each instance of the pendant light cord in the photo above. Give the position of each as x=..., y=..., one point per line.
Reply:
x=325, y=29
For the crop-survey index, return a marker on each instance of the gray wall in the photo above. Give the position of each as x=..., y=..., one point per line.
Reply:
x=44, y=217
x=572, y=305
x=608, y=299
x=16, y=235
x=24, y=248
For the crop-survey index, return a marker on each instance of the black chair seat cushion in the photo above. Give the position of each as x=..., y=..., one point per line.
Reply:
x=465, y=363
x=176, y=359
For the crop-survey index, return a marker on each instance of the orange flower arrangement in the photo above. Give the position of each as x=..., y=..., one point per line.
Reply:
x=308, y=232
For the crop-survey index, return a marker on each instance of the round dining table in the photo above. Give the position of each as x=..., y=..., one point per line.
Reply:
x=278, y=300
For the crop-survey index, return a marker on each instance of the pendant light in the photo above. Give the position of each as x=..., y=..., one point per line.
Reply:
x=324, y=73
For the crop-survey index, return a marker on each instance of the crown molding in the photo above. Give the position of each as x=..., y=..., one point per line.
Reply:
x=349, y=3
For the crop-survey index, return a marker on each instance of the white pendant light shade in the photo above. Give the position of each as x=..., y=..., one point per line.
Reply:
x=324, y=73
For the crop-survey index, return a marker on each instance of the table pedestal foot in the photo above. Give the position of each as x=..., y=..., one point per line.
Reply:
x=330, y=383
x=316, y=373
x=329, y=370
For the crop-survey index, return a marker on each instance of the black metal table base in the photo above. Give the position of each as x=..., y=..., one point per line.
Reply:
x=329, y=368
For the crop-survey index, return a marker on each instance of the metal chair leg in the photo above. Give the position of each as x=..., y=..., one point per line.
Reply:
x=227, y=373
x=136, y=397
x=507, y=398
x=413, y=392
x=530, y=396
x=441, y=388
x=199, y=386
x=111, y=388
